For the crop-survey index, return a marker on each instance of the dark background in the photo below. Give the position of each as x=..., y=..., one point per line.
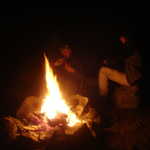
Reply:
x=27, y=33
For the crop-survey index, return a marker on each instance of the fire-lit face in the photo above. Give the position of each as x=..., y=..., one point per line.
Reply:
x=66, y=52
x=123, y=39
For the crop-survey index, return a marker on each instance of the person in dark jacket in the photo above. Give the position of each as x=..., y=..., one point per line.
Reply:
x=131, y=70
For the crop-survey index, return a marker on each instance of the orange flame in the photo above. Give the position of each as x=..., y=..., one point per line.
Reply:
x=53, y=102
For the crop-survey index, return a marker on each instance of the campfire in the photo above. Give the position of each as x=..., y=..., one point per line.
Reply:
x=54, y=103
x=52, y=115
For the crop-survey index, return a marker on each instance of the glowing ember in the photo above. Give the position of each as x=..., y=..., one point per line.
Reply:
x=54, y=103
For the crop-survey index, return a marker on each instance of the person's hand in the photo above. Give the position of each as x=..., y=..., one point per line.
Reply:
x=59, y=62
x=69, y=68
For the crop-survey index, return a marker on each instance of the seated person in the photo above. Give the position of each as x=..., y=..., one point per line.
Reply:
x=68, y=75
x=131, y=74
x=65, y=60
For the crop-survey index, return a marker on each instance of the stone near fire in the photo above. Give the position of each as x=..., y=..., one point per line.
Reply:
x=29, y=105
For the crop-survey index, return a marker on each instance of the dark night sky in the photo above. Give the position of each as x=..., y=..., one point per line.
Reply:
x=26, y=33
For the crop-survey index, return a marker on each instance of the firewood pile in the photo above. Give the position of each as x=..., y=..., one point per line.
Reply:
x=38, y=127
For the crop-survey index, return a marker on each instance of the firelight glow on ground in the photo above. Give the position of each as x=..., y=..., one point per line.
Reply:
x=53, y=101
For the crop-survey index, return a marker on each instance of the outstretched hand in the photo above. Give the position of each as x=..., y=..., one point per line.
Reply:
x=69, y=68
x=59, y=62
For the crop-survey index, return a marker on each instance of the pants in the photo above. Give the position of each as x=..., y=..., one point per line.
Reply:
x=106, y=74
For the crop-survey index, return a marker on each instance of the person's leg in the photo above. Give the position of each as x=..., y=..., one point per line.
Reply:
x=106, y=74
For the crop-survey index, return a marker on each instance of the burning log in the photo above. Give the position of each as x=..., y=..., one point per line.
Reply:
x=34, y=132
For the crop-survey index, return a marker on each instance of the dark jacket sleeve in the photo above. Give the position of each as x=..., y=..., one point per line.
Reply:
x=133, y=68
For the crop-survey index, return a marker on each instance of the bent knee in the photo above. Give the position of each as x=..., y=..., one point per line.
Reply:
x=104, y=70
